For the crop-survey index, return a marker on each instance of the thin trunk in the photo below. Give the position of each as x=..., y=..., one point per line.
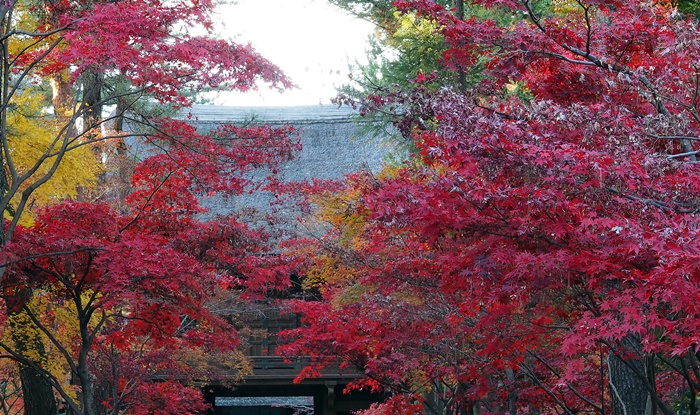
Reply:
x=458, y=7
x=4, y=86
x=122, y=105
x=512, y=393
x=87, y=396
x=86, y=379
x=463, y=408
x=651, y=380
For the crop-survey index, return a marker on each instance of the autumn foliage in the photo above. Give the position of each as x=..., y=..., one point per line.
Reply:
x=538, y=252
x=135, y=288
x=109, y=301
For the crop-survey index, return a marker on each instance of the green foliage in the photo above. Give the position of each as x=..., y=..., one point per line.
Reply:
x=413, y=48
x=691, y=7
x=407, y=47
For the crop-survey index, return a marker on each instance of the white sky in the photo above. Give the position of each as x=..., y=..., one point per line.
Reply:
x=312, y=41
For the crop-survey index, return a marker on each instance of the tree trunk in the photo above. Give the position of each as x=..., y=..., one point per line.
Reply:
x=512, y=392
x=62, y=96
x=628, y=391
x=458, y=7
x=92, y=96
x=38, y=394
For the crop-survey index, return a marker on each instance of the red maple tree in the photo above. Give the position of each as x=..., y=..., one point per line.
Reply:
x=109, y=308
x=135, y=289
x=125, y=56
x=538, y=251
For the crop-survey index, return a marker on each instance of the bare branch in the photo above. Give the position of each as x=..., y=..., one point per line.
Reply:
x=679, y=155
x=47, y=255
x=674, y=137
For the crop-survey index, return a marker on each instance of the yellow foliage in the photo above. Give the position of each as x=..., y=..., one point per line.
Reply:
x=567, y=7
x=26, y=335
x=342, y=213
x=327, y=269
x=340, y=261
x=410, y=27
x=339, y=212
x=32, y=133
x=21, y=328
x=35, y=127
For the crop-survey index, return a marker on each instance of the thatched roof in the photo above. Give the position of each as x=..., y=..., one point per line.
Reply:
x=207, y=115
x=333, y=144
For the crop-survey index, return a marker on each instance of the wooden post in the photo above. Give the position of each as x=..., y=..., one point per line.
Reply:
x=329, y=406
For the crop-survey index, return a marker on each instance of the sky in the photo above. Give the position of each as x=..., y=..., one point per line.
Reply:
x=312, y=41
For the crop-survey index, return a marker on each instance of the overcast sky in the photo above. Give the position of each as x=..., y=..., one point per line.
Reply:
x=310, y=40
